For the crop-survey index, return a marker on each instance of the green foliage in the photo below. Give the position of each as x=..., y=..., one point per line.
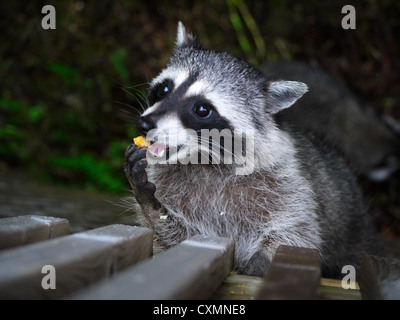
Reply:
x=240, y=17
x=15, y=143
x=71, y=75
x=117, y=57
x=19, y=146
x=67, y=73
x=86, y=170
x=62, y=90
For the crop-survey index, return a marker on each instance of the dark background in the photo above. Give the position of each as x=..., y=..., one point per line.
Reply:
x=68, y=96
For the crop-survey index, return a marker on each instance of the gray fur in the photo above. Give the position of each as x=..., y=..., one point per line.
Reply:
x=371, y=146
x=300, y=193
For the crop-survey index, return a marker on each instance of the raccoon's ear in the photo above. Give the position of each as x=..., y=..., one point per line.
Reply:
x=185, y=39
x=282, y=94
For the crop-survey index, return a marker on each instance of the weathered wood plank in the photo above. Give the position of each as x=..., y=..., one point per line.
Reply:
x=190, y=270
x=238, y=287
x=242, y=287
x=294, y=273
x=380, y=278
x=331, y=289
x=78, y=259
x=15, y=231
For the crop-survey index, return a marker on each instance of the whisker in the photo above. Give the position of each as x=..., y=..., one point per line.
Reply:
x=127, y=111
x=207, y=140
x=136, y=85
x=139, y=96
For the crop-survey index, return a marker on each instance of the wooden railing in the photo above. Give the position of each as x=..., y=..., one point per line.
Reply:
x=40, y=259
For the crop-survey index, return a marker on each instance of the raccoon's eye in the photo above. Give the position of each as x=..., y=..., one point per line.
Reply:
x=164, y=88
x=203, y=110
x=159, y=91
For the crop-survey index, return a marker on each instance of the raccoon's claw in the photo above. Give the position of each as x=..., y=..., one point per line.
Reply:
x=134, y=167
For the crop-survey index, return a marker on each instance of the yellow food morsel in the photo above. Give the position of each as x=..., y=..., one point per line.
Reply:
x=141, y=141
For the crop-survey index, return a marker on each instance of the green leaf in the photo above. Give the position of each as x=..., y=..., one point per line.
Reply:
x=12, y=105
x=35, y=113
x=117, y=58
x=69, y=74
x=97, y=172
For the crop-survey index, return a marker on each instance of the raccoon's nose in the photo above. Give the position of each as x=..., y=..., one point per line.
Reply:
x=144, y=125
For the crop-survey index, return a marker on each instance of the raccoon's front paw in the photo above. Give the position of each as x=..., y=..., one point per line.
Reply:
x=134, y=167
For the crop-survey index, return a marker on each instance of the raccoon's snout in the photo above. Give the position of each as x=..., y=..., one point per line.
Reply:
x=144, y=125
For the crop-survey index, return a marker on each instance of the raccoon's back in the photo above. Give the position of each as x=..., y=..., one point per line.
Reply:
x=333, y=111
x=347, y=230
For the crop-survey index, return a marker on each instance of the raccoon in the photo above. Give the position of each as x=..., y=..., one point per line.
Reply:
x=297, y=192
x=370, y=143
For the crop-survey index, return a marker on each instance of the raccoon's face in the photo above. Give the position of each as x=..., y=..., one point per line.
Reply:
x=203, y=91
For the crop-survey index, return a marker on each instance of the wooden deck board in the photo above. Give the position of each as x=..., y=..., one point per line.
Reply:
x=16, y=231
x=197, y=268
x=78, y=259
x=191, y=270
x=294, y=273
